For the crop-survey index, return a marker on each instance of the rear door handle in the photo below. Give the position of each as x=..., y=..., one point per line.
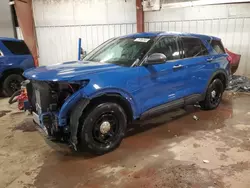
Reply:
x=210, y=59
x=177, y=66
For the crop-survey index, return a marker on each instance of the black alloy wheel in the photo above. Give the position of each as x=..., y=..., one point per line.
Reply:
x=11, y=84
x=105, y=128
x=102, y=128
x=213, y=96
x=15, y=85
x=216, y=94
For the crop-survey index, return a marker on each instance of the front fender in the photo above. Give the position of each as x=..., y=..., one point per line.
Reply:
x=121, y=92
x=68, y=105
x=88, y=95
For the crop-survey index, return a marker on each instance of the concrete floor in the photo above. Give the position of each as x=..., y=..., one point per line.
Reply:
x=164, y=152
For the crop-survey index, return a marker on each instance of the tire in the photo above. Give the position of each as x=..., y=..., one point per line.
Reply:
x=13, y=98
x=213, y=95
x=11, y=84
x=96, y=135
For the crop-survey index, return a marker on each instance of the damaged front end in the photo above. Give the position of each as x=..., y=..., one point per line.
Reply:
x=52, y=103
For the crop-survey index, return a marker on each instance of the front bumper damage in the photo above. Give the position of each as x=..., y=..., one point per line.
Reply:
x=65, y=129
x=60, y=123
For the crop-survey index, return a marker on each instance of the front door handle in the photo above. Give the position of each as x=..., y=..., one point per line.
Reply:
x=210, y=59
x=177, y=66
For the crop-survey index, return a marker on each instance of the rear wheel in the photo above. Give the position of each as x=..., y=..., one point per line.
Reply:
x=213, y=95
x=11, y=84
x=103, y=128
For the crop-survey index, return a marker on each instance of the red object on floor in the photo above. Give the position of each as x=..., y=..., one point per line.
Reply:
x=235, y=60
x=22, y=98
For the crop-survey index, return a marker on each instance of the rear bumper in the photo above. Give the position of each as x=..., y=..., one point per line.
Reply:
x=234, y=68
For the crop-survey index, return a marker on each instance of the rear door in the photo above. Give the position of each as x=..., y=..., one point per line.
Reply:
x=218, y=53
x=195, y=58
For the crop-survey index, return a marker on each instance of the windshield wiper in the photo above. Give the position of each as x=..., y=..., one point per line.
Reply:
x=135, y=62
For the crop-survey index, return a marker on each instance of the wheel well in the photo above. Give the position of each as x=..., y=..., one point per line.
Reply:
x=223, y=79
x=115, y=98
x=12, y=71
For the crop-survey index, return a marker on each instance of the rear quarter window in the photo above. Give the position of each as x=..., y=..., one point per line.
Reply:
x=17, y=47
x=217, y=46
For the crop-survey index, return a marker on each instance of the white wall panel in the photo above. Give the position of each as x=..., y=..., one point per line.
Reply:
x=199, y=12
x=230, y=22
x=6, y=27
x=59, y=44
x=234, y=32
x=83, y=12
x=19, y=33
x=59, y=24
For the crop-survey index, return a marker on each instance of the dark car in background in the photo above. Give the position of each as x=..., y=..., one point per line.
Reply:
x=15, y=58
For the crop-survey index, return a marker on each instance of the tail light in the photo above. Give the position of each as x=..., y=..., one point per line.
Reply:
x=229, y=58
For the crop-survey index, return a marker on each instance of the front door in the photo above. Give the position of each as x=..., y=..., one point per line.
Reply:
x=162, y=83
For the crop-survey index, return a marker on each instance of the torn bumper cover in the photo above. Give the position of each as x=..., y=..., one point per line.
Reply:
x=64, y=122
x=234, y=63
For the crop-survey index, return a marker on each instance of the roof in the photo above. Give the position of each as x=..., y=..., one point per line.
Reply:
x=9, y=39
x=162, y=33
x=145, y=34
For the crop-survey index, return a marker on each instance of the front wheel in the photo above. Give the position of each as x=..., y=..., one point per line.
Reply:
x=103, y=128
x=213, y=95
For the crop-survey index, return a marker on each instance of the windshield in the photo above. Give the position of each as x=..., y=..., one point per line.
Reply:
x=121, y=51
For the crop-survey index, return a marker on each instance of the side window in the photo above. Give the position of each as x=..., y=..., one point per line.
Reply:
x=168, y=46
x=217, y=46
x=17, y=47
x=193, y=47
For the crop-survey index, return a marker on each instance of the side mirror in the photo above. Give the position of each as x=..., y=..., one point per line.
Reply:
x=156, y=58
x=83, y=54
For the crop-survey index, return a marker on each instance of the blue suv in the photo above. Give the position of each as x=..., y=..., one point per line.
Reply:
x=90, y=102
x=15, y=58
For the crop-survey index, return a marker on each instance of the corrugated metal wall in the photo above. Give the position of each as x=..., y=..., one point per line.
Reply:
x=230, y=22
x=60, y=23
x=234, y=32
x=60, y=43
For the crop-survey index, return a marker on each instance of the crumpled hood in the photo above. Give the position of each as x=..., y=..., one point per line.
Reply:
x=67, y=71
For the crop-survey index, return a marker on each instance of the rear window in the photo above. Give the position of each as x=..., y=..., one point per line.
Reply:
x=217, y=46
x=193, y=47
x=17, y=47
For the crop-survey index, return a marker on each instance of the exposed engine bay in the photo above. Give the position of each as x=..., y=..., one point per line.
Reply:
x=46, y=99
